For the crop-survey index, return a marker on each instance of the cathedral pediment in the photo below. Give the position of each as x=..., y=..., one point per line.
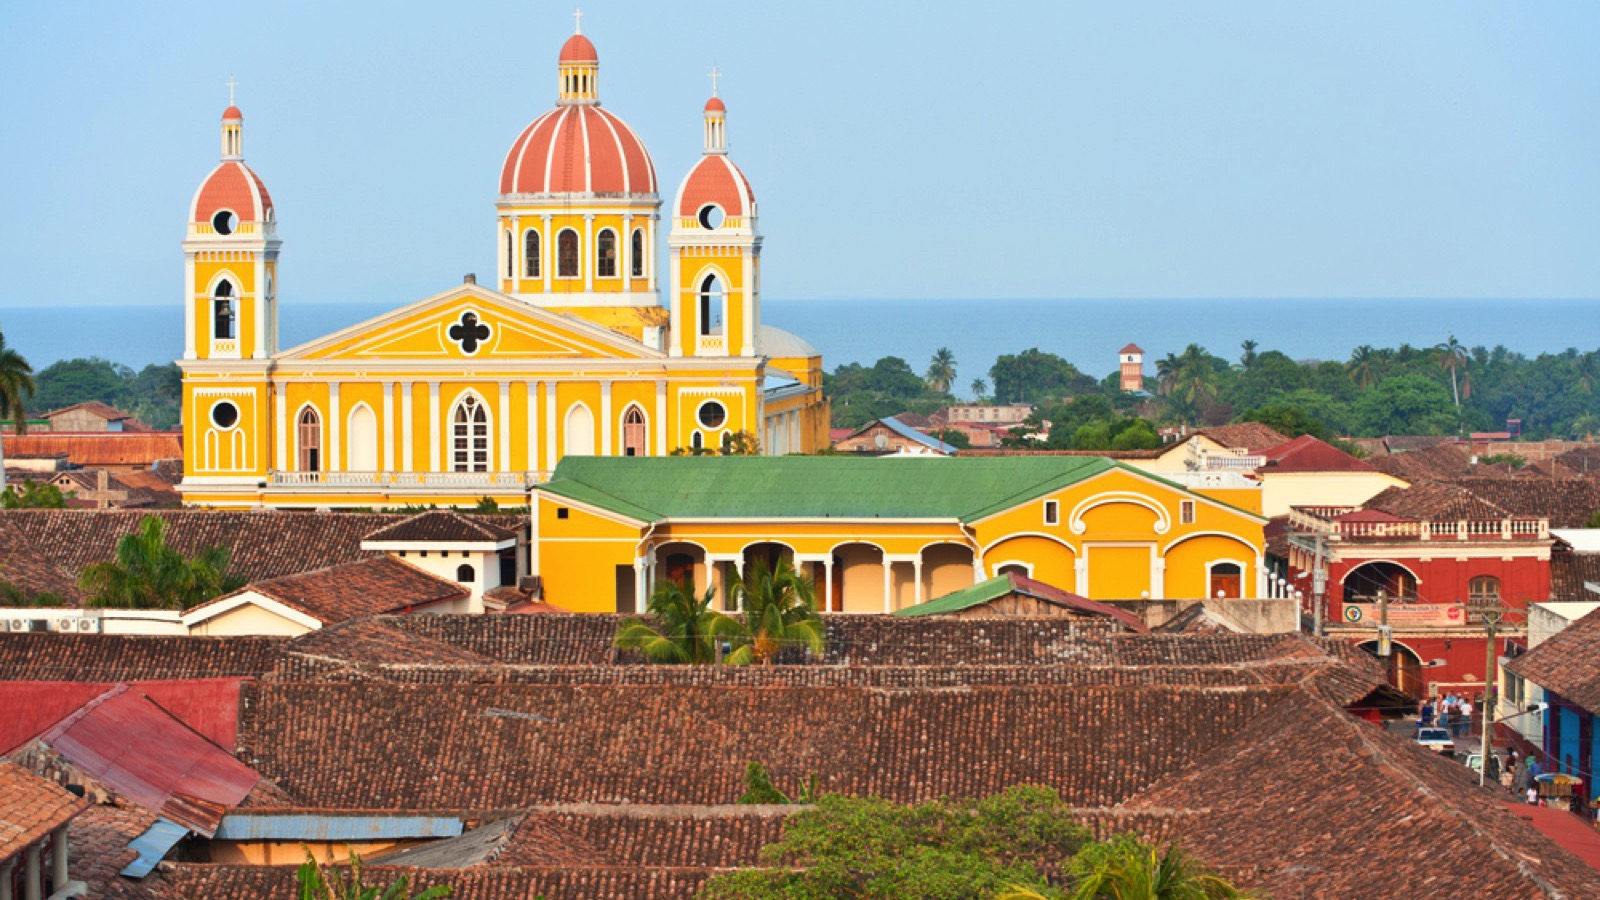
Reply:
x=471, y=323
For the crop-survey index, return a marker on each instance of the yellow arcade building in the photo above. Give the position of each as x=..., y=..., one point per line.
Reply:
x=878, y=535
x=480, y=391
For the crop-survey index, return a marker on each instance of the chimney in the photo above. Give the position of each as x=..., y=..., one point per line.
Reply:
x=470, y=278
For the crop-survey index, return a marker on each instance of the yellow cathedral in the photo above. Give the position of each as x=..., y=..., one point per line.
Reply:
x=478, y=391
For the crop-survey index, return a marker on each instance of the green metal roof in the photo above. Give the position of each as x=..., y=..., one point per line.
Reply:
x=791, y=487
x=978, y=594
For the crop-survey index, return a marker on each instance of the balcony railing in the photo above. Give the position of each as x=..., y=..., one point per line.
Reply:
x=1213, y=479
x=409, y=480
x=1324, y=520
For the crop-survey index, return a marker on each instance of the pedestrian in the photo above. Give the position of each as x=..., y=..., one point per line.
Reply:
x=1491, y=771
x=1465, y=724
x=1427, y=712
x=1533, y=796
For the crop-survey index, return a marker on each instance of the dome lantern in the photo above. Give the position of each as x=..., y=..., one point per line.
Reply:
x=716, y=118
x=578, y=69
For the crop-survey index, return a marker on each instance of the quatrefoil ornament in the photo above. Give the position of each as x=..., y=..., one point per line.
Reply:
x=469, y=333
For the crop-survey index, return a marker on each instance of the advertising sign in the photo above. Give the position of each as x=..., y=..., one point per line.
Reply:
x=1407, y=615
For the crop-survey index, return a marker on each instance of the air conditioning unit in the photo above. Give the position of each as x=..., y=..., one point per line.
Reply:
x=66, y=624
x=19, y=625
x=88, y=625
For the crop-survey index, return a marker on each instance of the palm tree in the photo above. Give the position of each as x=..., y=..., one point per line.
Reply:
x=148, y=574
x=941, y=370
x=1586, y=369
x=978, y=387
x=16, y=381
x=779, y=609
x=1248, y=357
x=1363, y=366
x=1453, y=355
x=317, y=883
x=687, y=628
x=1124, y=868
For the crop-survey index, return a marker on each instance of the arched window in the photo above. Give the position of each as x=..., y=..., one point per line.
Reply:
x=711, y=303
x=1483, y=591
x=636, y=253
x=697, y=440
x=1226, y=580
x=530, y=254
x=361, y=449
x=469, y=436
x=309, y=430
x=466, y=574
x=567, y=254
x=511, y=259
x=605, y=254
x=633, y=432
x=222, y=310
x=579, y=431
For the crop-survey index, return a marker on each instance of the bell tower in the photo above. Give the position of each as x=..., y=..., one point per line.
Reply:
x=715, y=252
x=231, y=258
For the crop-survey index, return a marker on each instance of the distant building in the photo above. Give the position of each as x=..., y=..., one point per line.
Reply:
x=1131, y=361
x=890, y=435
x=92, y=416
x=983, y=414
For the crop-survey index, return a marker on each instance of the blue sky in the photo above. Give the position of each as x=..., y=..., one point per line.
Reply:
x=916, y=149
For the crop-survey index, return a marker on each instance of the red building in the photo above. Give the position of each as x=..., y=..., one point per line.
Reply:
x=1421, y=573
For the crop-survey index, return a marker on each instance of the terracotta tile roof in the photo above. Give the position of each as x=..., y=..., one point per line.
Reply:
x=30, y=808
x=1566, y=502
x=95, y=407
x=1568, y=663
x=379, y=585
x=491, y=883
x=447, y=526
x=358, y=643
x=1582, y=460
x=1252, y=436
x=143, y=488
x=1308, y=454
x=37, y=656
x=100, y=448
x=261, y=544
x=99, y=842
x=1569, y=572
x=1406, y=443
x=1308, y=798
x=1109, y=454
x=1434, y=463
x=1436, y=501
x=27, y=566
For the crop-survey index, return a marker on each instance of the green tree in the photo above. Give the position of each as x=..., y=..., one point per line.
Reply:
x=14, y=596
x=1287, y=420
x=34, y=495
x=1123, y=868
x=148, y=574
x=1247, y=356
x=978, y=386
x=1452, y=357
x=758, y=787
x=956, y=439
x=779, y=609
x=850, y=847
x=317, y=882
x=16, y=383
x=1364, y=366
x=1406, y=404
x=685, y=628
x=942, y=370
x=1032, y=376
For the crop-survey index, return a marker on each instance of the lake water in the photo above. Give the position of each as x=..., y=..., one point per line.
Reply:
x=1086, y=332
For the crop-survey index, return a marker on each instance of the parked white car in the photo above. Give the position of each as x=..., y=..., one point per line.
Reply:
x=1436, y=739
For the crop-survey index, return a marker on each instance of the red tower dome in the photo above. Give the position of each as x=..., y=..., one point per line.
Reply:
x=231, y=187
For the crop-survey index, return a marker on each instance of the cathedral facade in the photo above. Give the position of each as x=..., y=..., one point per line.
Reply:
x=478, y=391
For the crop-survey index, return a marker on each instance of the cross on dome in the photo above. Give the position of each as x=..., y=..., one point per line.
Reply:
x=714, y=74
x=577, y=21
x=233, y=84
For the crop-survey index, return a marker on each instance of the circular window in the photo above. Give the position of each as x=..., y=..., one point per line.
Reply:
x=711, y=216
x=713, y=414
x=224, y=415
x=224, y=222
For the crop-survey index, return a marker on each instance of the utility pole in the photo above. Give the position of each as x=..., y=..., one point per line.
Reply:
x=1319, y=588
x=1492, y=613
x=1385, y=636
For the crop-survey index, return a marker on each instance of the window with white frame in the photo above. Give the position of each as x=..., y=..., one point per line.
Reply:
x=1052, y=512
x=1185, y=512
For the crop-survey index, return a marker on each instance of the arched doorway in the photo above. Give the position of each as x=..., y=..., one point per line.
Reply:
x=683, y=564
x=1365, y=582
x=1225, y=580
x=946, y=568
x=858, y=580
x=634, y=439
x=1404, y=666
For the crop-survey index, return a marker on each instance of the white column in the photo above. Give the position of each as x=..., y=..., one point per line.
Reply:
x=827, y=583
x=260, y=295
x=533, y=535
x=188, y=309
x=888, y=584
x=586, y=254
x=916, y=575
x=627, y=252
x=547, y=251
x=280, y=413
x=433, y=427
x=1081, y=569
x=532, y=463
x=405, y=427
x=748, y=312
x=605, y=417
x=503, y=464
x=1261, y=581
x=681, y=331
x=335, y=463
x=32, y=876
x=639, y=601
x=388, y=426
x=661, y=417
x=519, y=253
x=550, y=426
x=1158, y=577
x=58, y=860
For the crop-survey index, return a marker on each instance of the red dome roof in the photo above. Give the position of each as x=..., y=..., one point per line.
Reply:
x=578, y=49
x=715, y=104
x=231, y=186
x=579, y=150
x=715, y=179
x=232, y=112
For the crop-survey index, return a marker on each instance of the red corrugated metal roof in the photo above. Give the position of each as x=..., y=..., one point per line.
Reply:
x=209, y=706
x=126, y=741
x=27, y=708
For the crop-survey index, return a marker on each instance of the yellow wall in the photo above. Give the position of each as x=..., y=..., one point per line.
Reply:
x=248, y=619
x=1281, y=490
x=564, y=216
